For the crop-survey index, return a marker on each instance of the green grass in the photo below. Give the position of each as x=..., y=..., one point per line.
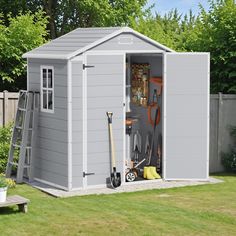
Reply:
x=197, y=210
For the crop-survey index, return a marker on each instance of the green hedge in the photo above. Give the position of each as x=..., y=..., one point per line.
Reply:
x=5, y=139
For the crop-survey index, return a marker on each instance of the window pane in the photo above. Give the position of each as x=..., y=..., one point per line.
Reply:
x=50, y=101
x=45, y=99
x=44, y=78
x=50, y=78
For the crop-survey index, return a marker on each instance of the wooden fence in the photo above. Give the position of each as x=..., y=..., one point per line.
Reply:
x=222, y=117
x=8, y=106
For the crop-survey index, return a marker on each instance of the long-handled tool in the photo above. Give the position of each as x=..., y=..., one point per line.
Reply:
x=137, y=146
x=115, y=176
x=153, y=138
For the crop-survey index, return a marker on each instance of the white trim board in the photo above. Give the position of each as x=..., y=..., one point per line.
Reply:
x=164, y=118
x=118, y=52
x=69, y=122
x=84, y=115
x=47, y=67
x=208, y=117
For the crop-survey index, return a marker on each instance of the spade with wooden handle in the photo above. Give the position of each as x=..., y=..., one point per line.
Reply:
x=115, y=176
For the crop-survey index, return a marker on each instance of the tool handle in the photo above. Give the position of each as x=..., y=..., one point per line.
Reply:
x=109, y=115
x=156, y=114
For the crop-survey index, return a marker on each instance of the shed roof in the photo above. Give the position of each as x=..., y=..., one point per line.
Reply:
x=81, y=40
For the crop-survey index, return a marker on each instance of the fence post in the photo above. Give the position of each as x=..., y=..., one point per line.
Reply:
x=220, y=128
x=5, y=107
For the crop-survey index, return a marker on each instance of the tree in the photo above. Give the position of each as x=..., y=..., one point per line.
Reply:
x=215, y=32
x=66, y=15
x=24, y=33
x=168, y=29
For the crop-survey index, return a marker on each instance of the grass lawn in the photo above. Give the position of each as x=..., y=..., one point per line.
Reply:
x=196, y=210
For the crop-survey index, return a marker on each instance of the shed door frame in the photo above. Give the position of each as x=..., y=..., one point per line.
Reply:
x=165, y=106
x=84, y=110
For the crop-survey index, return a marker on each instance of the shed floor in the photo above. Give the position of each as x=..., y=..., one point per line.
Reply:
x=131, y=187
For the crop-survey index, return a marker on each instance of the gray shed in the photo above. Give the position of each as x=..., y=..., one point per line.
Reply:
x=87, y=72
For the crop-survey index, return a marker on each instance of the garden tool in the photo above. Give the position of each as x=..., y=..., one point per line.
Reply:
x=153, y=138
x=137, y=146
x=154, y=96
x=147, y=145
x=133, y=172
x=115, y=176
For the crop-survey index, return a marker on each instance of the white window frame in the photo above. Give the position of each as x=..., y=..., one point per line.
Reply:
x=48, y=89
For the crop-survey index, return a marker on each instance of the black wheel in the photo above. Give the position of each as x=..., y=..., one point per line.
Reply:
x=130, y=176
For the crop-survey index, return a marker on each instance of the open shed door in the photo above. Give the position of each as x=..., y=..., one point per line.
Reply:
x=186, y=116
x=104, y=91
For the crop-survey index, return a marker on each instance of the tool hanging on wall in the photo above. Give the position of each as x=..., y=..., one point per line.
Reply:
x=153, y=138
x=147, y=145
x=137, y=146
x=115, y=176
x=154, y=103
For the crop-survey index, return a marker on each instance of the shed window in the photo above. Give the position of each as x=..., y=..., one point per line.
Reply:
x=47, y=88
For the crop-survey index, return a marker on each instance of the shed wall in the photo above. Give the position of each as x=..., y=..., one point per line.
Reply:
x=51, y=161
x=126, y=41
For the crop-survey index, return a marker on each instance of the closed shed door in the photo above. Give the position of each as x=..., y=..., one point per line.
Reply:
x=105, y=92
x=186, y=115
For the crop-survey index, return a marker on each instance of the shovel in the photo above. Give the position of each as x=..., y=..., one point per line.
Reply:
x=115, y=176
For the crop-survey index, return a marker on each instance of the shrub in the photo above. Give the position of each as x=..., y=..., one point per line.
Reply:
x=5, y=139
x=6, y=182
x=229, y=161
x=3, y=182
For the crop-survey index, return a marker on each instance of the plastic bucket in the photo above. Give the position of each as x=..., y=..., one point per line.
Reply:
x=3, y=194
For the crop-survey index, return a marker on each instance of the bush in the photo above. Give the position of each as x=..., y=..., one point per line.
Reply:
x=5, y=140
x=229, y=161
x=23, y=33
x=6, y=182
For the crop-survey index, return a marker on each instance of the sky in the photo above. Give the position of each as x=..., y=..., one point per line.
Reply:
x=183, y=6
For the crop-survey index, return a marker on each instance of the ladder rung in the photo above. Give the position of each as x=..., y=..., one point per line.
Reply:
x=16, y=164
x=18, y=146
x=13, y=163
x=21, y=109
x=20, y=127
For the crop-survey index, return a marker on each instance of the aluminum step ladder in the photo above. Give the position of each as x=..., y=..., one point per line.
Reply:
x=21, y=153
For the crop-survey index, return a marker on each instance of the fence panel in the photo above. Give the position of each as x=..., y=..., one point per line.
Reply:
x=8, y=106
x=222, y=118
